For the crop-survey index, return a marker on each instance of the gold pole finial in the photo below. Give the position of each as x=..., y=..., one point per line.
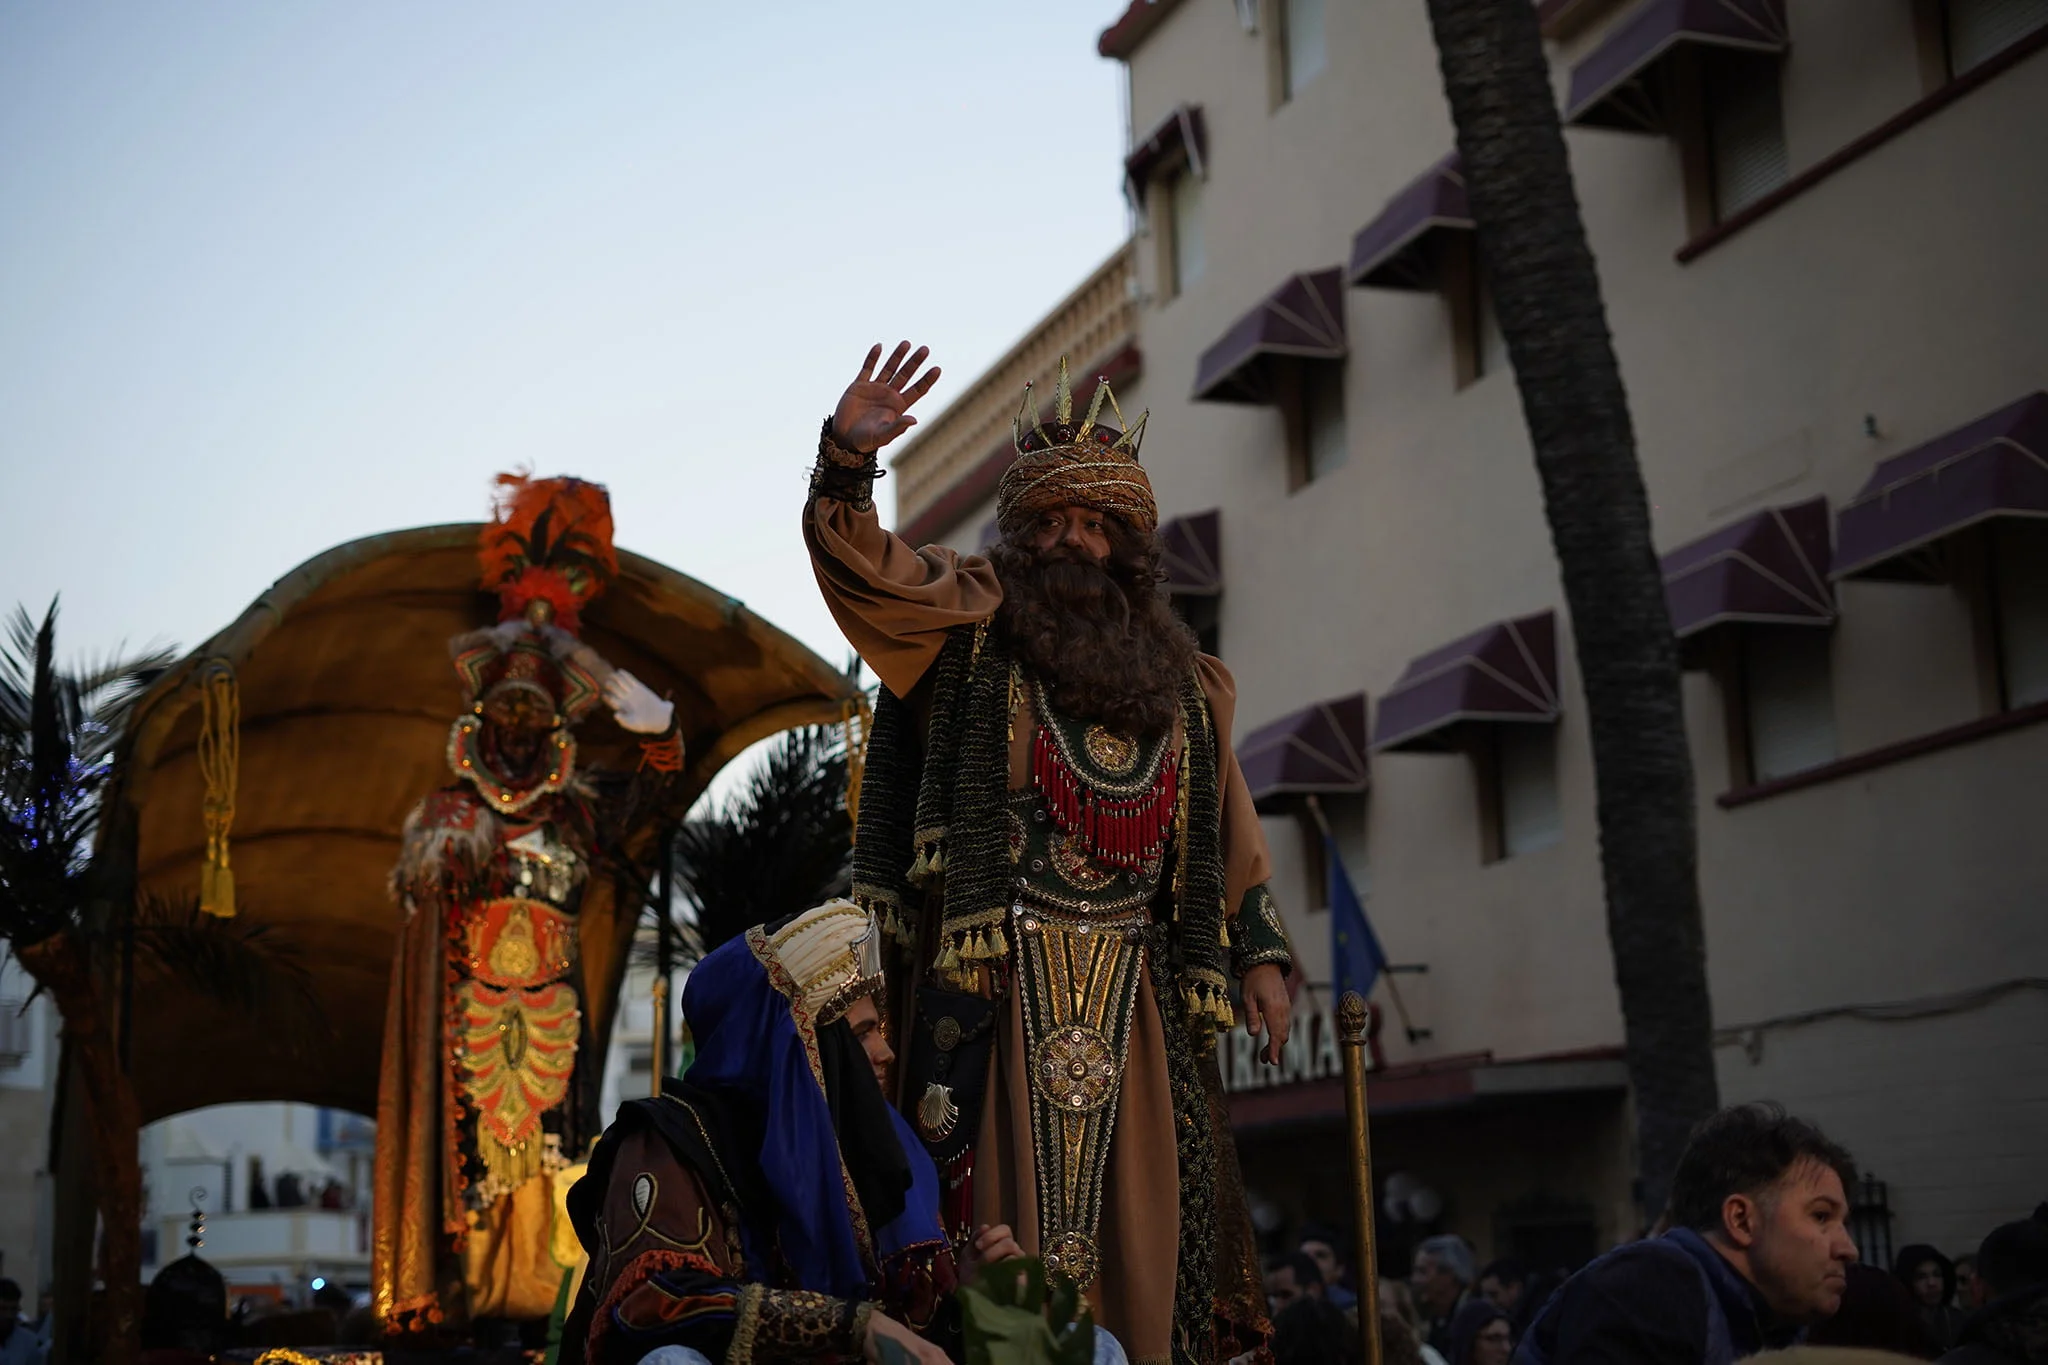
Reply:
x=1352, y=1020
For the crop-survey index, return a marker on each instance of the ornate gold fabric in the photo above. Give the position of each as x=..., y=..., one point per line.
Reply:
x=1078, y=981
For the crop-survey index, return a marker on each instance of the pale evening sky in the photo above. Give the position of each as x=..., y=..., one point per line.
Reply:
x=273, y=276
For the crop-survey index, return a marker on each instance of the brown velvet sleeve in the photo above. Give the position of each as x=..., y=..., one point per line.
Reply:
x=894, y=604
x=1246, y=862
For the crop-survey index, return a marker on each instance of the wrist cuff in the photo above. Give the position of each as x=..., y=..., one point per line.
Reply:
x=844, y=475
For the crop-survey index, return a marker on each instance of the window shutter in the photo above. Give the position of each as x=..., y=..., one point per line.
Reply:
x=1307, y=53
x=1188, y=256
x=2021, y=572
x=1747, y=133
x=1791, y=699
x=1981, y=29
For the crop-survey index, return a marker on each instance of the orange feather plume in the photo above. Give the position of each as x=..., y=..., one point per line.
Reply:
x=549, y=539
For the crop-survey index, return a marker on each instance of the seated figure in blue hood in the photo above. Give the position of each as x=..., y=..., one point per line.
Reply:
x=772, y=1204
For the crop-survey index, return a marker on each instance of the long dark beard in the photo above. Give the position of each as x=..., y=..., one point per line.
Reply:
x=1102, y=636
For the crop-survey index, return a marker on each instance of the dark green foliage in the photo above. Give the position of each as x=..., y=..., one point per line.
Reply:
x=779, y=843
x=1013, y=1317
x=58, y=731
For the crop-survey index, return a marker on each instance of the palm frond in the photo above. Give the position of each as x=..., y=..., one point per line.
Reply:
x=244, y=964
x=59, y=729
x=781, y=842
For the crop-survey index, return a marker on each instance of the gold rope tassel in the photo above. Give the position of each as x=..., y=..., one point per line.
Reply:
x=858, y=718
x=220, y=757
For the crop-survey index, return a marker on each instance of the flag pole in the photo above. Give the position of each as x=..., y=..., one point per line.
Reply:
x=1351, y=1029
x=1315, y=808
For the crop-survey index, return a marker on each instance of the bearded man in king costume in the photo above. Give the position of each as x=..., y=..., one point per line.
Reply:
x=485, y=1092
x=1053, y=826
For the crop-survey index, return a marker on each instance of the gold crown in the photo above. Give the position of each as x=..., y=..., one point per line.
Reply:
x=1089, y=462
x=1029, y=434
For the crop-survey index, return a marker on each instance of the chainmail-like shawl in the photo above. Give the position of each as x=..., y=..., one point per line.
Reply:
x=934, y=823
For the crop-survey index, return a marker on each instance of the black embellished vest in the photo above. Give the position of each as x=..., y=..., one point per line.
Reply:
x=945, y=853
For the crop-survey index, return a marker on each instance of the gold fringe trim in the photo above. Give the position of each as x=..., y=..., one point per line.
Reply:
x=1205, y=1001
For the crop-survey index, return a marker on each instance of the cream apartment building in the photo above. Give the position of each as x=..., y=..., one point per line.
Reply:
x=1818, y=225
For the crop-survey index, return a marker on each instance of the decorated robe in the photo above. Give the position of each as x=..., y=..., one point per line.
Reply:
x=664, y=1210
x=487, y=1091
x=1102, y=1137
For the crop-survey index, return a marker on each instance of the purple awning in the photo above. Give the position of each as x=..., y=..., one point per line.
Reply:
x=1179, y=133
x=1769, y=568
x=1506, y=672
x=1194, y=560
x=1997, y=466
x=1320, y=748
x=1393, y=250
x=1615, y=86
x=1303, y=319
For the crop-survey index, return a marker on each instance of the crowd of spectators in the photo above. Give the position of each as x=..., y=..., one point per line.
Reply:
x=1753, y=1255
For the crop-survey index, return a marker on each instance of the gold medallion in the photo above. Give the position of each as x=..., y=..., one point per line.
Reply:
x=1072, y=1256
x=1075, y=1069
x=1113, y=753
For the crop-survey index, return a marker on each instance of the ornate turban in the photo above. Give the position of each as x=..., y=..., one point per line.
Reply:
x=1090, y=464
x=832, y=956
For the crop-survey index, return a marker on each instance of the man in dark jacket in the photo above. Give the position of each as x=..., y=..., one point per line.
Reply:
x=2012, y=1327
x=1758, y=1248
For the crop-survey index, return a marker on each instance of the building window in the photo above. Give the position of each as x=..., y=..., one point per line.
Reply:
x=2019, y=577
x=1323, y=416
x=1310, y=396
x=1788, y=703
x=1974, y=31
x=1519, y=808
x=1477, y=347
x=1745, y=127
x=1185, y=257
x=1299, y=44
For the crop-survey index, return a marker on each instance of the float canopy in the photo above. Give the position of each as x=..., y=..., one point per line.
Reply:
x=346, y=697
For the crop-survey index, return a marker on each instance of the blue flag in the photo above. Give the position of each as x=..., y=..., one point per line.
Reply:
x=1356, y=959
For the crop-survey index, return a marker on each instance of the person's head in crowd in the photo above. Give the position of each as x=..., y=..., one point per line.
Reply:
x=1877, y=1314
x=1769, y=1192
x=1326, y=1246
x=1503, y=1282
x=10, y=1307
x=2013, y=1260
x=1443, y=1274
x=1398, y=1343
x=1398, y=1301
x=1480, y=1334
x=185, y=1308
x=1927, y=1274
x=1966, y=1280
x=1292, y=1276
x=1309, y=1331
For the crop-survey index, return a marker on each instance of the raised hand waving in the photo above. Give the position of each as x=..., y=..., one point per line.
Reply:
x=875, y=409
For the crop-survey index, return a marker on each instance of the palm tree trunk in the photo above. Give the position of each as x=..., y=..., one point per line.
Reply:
x=1546, y=295
x=59, y=965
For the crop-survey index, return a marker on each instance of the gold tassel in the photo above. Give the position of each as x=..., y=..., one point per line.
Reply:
x=1002, y=945
x=220, y=758
x=857, y=718
x=1223, y=932
x=922, y=868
